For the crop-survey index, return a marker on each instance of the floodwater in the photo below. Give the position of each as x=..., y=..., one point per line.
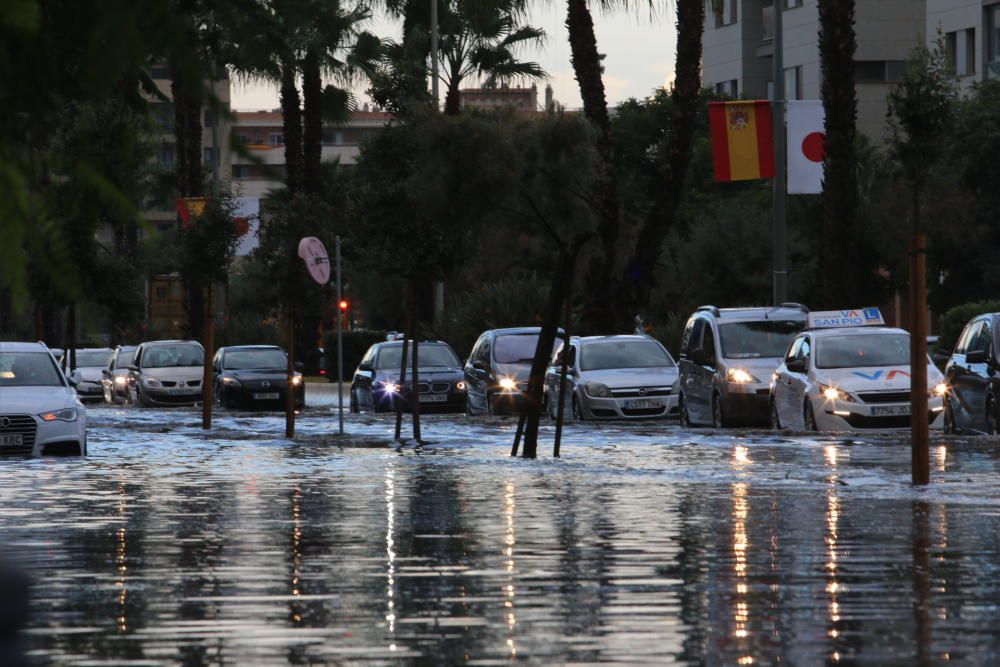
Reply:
x=643, y=543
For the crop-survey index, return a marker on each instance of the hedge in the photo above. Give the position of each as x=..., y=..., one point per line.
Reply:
x=954, y=320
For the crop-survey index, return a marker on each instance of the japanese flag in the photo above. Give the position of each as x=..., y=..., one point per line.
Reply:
x=805, y=120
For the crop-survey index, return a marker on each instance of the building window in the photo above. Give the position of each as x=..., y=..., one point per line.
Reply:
x=727, y=88
x=725, y=12
x=894, y=70
x=241, y=171
x=878, y=71
x=276, y=139
x=793, y=83
x=243, y=138
x=960, y=50
x=993, y=41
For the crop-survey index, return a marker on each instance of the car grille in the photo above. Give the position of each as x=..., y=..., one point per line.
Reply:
x=182, y=399
x=189, y=383
x=896, y=421
x=641, y=392
x=885, y=396
x=440, y=387
x=642, y=412
x=25, y=426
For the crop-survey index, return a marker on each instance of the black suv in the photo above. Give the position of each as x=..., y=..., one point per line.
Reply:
x=973, y=377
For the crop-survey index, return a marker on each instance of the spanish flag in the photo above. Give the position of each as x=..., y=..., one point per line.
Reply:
x=742, y=144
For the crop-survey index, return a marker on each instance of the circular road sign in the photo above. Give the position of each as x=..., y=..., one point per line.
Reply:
x=313, y=253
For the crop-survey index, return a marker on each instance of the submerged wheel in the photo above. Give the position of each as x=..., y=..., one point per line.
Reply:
x=577, y=410
x=809, y=417
x=718, y=418
x=992, y=417
x=949, y=418
x=775, y=417
x=682, y=410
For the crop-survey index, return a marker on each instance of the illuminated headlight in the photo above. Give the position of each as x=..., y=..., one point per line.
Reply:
x=230, y=381
x=834, y=394
x=151, y=382
x=296, y=380
x=390, y=387
x=740, y=376
x=597, y=390
x=507, y=384
x=67, y=415
x=941, y=389
x=460, y=386
x=120, y=379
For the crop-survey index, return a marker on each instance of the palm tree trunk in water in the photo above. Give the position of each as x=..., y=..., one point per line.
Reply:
x=588, y=69
x=837, y=46
x=312, y=114
x=291, y=124
x=686, y=106
x=532, y=403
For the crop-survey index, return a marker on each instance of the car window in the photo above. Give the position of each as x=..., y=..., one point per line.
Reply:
x=761, y=339
x=28, y=369
x=517, y=348
x=605, y=355
x=863, y=350
x=369, y=356
x=983, y=339
x=697, y=332
x=265, y=359
x=963, y=341
x=431, y=356
x=124, y=358
x=708, y=342
x=686, y=338
x=805, y=350
x=167, y=356
x=92, y=358
x=793, y=351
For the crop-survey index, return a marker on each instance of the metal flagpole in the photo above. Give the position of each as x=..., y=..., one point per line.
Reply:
x=780, y=160
x=434, y=51
x=340, y=343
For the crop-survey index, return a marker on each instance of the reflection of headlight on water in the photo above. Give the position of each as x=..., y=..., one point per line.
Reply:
x=507, y=384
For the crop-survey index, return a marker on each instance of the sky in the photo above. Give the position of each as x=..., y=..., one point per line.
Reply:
x=640, y=56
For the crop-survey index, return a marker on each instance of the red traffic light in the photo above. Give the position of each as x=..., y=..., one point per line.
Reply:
x=344, y=305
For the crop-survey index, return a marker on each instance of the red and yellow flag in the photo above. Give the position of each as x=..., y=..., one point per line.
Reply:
x=742, y=144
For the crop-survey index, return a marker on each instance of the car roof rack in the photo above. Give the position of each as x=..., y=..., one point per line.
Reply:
x=794, y=305
x=708, y=309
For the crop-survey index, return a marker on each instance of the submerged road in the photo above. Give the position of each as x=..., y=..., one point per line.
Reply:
x=644, y=543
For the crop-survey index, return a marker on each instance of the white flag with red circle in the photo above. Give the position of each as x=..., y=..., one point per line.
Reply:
x=806, y=139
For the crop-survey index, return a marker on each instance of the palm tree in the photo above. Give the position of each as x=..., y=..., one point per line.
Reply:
x=480, y=38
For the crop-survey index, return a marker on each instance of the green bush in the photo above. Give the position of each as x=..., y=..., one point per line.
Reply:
x=954, y=320
x=356, y=343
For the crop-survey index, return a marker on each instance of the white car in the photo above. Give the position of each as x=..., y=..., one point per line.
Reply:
x=40, y=412
x=615, y=377
x=91, y=363
x=850, y=379
x=167, y=372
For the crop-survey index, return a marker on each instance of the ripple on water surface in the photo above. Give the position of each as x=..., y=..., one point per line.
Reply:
x=644, y=543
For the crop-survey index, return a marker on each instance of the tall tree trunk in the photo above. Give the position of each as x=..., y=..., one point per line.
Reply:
x=312, y=114
x=452, y=100
x=837, y=45
x=640, y=275
x=587, y=67
x=291, y=123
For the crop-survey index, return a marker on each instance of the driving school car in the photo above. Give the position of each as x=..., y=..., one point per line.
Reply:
x=849, y=372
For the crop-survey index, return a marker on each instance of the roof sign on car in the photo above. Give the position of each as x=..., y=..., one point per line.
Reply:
x=858, y=317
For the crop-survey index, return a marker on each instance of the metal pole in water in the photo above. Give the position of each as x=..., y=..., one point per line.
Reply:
x=340, y=344
x=780, y=164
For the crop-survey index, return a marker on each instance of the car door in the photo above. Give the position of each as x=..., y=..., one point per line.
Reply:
x=782, y=384
x=957, y=376
x=978, y=360
x=477, y=374
x=798, y=383
x=364, y=379
x=571, y=378
x=702, y=357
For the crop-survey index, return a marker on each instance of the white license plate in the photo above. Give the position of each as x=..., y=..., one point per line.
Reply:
x=11, y=440
x=271, y=396
x=643, y=404
x=182, y=391
x=433, y=398
x=890, y=410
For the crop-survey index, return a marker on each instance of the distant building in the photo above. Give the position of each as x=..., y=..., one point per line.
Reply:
x=739, y=48
x=970, y=30
x=522, y=99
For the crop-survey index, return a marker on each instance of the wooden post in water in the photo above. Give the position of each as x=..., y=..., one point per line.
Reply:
x=919, y=425
x=564, y=368
x=208, y=337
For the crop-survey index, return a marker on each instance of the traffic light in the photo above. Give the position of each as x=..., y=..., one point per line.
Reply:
x=344, y=305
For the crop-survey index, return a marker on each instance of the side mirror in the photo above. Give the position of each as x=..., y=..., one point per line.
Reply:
x=299, y=366
x=796, y=366
x=976, y=357
x=365, y=368
x=479, y=366
x=75, y=378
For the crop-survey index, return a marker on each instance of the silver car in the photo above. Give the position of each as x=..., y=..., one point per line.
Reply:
x=615, y=377
x=167, y=372
x=91, y=362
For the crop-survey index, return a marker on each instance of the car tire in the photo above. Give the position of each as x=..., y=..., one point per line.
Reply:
x=809, y=416
x=718, y=417
x=775, y=417
x=992, y=417
x=490, y=408
x=682, y=412
x=577, y=410
x=140, y=398
x=949, y=418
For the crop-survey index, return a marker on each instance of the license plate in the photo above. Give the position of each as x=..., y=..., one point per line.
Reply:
x=643, y=404
x=271, y=396
x=890, y=410
x=11, y=440
x=433, y=398
x=181, y=391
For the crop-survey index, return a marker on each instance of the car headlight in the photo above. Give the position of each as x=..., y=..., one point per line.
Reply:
x=231, y=381
x=67, y=415
x=508, y=384
x=120, y=379
x=151, y=382
x=834, y=394
x=740, y=376
x=388, y=387
x=597, y=390
x=940, y=390
x=460, y=386
x=296, y=380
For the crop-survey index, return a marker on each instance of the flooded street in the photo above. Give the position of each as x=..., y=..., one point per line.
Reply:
x=644, y=543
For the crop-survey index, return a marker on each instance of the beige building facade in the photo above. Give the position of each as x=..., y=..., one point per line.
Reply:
x=969, y=31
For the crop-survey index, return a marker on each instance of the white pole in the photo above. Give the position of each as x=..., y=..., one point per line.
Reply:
x=340, y=344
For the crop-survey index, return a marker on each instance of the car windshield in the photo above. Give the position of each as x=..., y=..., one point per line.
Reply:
x=859, y=351
x=519, y=348
x=28, y=369
x=238, y=360
x=431, y=356
x=92, y=358
x=623, y=354
x=752, y=340
x=125, y=358
x=166, y=356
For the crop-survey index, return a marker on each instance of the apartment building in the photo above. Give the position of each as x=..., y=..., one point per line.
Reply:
x=970, y=32
x=739, y=48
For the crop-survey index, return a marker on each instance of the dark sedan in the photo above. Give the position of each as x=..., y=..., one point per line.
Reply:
x=376, y=385
x=254, y=376
x=972, y=374
x=498, y=369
